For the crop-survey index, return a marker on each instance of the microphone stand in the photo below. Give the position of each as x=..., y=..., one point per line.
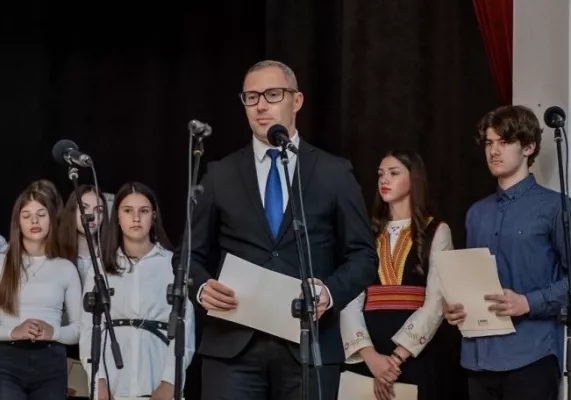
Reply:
x=176, y=292
x=304, y=307
x=96, y=302
x=564, y=312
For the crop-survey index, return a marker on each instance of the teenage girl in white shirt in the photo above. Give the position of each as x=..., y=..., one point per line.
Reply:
x=35, y=286
x=138, y=266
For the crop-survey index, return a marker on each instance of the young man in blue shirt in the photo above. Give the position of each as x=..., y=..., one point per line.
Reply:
x=522, y=226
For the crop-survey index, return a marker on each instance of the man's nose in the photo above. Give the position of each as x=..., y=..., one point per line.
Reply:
x=495, y=148
x=262, y=104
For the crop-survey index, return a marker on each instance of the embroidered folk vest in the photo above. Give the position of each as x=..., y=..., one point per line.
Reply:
x=400, y=288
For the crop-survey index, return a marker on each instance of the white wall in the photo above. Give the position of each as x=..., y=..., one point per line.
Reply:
x=541, y=70
x=541, y=75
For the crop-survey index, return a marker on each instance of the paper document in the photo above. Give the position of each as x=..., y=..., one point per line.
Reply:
x=466, y=276
x=77, y=378
x=358, y=387
x=264, y=298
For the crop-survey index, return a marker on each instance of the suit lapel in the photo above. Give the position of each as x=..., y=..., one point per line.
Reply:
x=250, y=180
x=306, y=157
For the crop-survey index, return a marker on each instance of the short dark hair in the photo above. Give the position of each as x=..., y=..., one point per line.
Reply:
x=513, y=124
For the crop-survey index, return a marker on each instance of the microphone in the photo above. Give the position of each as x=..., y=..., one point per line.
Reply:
x=199, y=129
x=67, y=152
x=554, y=117
x=278, y=136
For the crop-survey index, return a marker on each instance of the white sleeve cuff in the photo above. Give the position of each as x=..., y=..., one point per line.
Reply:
x=330, y=305
x=199, y=293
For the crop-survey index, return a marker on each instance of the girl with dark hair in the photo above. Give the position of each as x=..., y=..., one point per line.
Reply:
x=72, y=238
x=34, y=288
x=138, y=263
x=399, y=315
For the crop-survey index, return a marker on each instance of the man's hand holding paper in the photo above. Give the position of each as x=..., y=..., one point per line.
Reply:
x=454, y=313
x=324, y=299
x=253, y=296
x=476, y=302
x=508, y=304
x=217, y=297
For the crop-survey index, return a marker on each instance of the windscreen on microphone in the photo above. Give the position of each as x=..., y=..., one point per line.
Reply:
x=199, y=129
x=554, y=117
x=276, y=135
x=61, y=148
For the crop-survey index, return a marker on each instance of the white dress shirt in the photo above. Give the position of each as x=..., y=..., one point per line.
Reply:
x=84, y=264
x=264, y=163
x=421, y=326
x=46, y=286
x=3, y=245
x=140, y=293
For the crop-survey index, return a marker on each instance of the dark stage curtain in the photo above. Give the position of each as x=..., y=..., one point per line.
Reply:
x=123, y=83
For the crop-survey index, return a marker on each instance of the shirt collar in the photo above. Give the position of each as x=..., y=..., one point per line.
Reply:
x=157, y=250
x=516, y=191
x=260, y=148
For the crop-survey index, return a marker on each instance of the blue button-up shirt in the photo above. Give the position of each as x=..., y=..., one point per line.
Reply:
x=523, y=228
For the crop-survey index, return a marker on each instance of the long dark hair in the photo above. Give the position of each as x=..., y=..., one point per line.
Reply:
x=114, y=237
x=67, y=233
x=420, y=209
x=12, y=275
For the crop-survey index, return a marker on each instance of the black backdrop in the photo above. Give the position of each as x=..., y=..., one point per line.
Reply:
x=124, y=82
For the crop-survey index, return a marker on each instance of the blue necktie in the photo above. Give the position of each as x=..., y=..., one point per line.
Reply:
x=273, y=200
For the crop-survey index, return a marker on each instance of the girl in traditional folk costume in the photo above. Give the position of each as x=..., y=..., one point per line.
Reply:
x=386, y=331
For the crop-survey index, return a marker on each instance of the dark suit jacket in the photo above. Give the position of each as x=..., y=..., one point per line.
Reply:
x=229, y=218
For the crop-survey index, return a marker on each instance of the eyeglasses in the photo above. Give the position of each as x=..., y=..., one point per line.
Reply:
x=272, y=95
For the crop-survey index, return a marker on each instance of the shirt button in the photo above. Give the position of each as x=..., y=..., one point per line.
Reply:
x=496, y=234
x=275, y=254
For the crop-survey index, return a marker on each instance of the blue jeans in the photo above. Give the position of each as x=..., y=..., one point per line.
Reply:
x=32, y=371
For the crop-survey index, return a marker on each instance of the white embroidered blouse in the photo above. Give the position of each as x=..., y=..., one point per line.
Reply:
x=420, y=327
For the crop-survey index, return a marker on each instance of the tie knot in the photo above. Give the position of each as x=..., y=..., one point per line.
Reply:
x=273, y=154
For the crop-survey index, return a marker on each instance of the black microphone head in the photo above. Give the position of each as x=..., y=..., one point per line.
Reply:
x=554, y=117
x=61, y=147
x=198, y=128
x=276, y=135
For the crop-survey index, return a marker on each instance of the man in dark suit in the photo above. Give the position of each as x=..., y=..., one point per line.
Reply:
x=244, y=210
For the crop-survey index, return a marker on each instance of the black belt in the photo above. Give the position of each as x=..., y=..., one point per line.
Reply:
x=155, y=327
x=28, y=344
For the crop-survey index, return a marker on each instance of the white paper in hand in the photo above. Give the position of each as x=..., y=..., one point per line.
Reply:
x=264, y=298
x=466, y=276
